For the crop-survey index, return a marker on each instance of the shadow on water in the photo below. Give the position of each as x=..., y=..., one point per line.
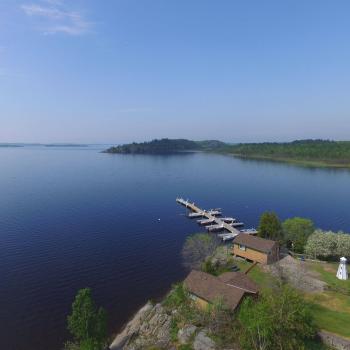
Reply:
x=291, y=164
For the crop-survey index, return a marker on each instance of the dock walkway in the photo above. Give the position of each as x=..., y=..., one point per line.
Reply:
x=207, y=214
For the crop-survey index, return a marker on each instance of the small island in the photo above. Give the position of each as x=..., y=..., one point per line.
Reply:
x=323, y=153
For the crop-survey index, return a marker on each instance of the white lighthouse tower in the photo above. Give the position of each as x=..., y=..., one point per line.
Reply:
x=342, y=273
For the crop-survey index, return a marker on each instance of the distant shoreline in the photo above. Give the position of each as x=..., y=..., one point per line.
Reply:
x=65, y=145
x=310, y=153
x=296, y=161
x=10, y=146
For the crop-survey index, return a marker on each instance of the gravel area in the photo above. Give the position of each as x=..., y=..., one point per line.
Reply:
x=296, y=273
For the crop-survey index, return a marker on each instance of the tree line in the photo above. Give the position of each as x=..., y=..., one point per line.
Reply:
x=321, y=150
x=308, y=150
x=166, y=146
x=300, y=236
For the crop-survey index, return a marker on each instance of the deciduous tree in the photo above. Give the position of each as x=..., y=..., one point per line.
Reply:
x=328, y=245
x=270, y=226
x=197, y=248
x=280, y=319
x=296, y=232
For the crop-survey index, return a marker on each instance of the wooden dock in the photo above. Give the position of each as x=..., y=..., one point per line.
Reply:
x=205, y=222
x=211, y=215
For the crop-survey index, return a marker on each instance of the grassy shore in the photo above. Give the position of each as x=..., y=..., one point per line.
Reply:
x=332, y=306
x=296, y=161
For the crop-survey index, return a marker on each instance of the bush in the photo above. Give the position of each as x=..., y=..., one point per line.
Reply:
x=176, y=297
x=209, y=267
x=197, y=248
x=220, y=323
x=174, y=329
x=280, y=319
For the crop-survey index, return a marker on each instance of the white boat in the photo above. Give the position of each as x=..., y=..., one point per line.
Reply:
x=249, y=231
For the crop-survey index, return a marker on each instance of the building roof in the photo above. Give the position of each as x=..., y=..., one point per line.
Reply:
x=257, y=243
x=239, y=280
x=211, y=288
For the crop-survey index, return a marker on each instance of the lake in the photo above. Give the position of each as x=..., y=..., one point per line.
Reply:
x=72, y=217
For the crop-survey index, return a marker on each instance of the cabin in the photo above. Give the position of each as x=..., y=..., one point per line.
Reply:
x=230, y=287
x=261, y=250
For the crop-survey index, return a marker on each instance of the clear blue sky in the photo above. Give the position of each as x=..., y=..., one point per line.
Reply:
x=123, y=70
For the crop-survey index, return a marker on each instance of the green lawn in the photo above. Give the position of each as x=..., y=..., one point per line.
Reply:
x=327, y=273
x=262, y=278
x=332, y=321
x=331, y=307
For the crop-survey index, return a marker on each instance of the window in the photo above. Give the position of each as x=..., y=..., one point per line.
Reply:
x=242, y=247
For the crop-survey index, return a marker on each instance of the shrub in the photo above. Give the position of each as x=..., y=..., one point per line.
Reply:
x=197, y=248
x=280, y=319
x=177, y=297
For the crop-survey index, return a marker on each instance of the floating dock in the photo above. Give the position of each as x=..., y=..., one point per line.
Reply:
x=214, y=228
x=229, y=220
x=214, y=212
x=227, y=236
x=196, y=215
x=218, y=224
x=205, y=221
x=237, y=224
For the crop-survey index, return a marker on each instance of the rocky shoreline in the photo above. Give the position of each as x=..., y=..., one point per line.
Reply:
x=150, y=328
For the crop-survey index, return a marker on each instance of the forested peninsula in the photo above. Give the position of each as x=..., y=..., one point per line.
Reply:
x=167, y=146
x=308, y=152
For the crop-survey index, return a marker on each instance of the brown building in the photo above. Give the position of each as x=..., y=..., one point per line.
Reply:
x=256, y=249
x=230, y=287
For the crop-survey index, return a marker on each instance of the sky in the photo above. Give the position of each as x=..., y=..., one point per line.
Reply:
x=115, y=71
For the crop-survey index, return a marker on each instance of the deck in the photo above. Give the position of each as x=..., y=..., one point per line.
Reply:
x=211, y=216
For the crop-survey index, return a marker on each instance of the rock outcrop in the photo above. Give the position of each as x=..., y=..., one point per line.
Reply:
x=203, y=342
x=149, y=327
x=185, y=334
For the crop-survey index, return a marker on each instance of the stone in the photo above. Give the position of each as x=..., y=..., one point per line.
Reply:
x=149, y=327
x=334, y=341
x=203, y=342
x=184, y=334
x=131, y=328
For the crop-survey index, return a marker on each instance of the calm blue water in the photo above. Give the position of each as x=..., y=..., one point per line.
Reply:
x=74, y=217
